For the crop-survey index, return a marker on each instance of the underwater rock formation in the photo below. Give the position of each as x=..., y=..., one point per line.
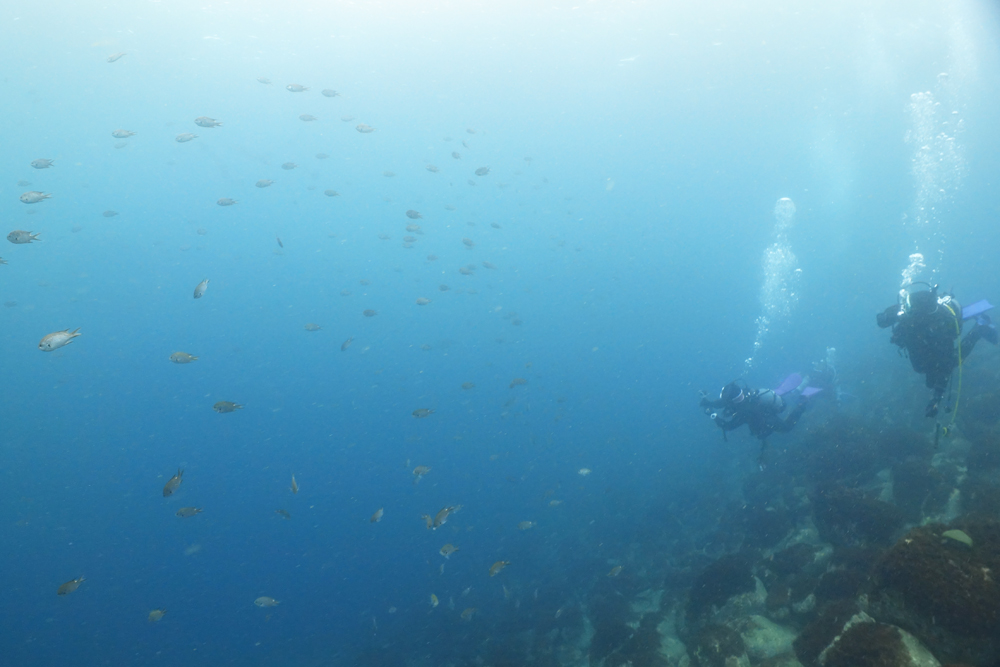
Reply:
x=850, y=517
x=719, y=646
x=869, y=644
x=726, y=577
x=943, y=591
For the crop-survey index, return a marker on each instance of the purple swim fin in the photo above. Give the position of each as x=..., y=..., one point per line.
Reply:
x=790, y=382
x=977, y=308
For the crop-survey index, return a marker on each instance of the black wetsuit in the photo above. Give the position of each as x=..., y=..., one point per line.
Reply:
x=929, y=340
x=760, y=410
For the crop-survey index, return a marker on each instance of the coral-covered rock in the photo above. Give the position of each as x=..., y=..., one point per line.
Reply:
x=792, y=559
x=871, y=644
x=818, y=634
x=943, y=591
x=728, y=576
x=764, y=639
x=719, y=646
x=849, y=517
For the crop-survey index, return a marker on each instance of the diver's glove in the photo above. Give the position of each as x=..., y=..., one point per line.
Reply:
x=887, y=317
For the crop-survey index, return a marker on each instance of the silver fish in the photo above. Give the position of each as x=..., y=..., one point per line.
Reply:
x=122, y=134
x=226, y=201
x=205, y=121
x=18, y=237
x=295, y=88
x=200, y=290
x=185, y=137
x=115, y=57
x=54, y=341
x=33, y=197
x=42, y=163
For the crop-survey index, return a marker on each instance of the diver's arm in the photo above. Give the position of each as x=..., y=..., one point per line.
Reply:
x=887, y=317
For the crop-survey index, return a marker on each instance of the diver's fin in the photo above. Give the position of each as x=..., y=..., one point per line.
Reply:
x=790, y=382
x=977, y=308
x=810, y=391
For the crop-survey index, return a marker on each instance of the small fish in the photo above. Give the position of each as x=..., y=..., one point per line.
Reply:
x=264, y=183
x=583, y=472
x=430, y=522
x=263, y=80
x=288, y=165
x=226, y=406
x=495, y=225
x=434, y=601
x=346, y=344
x=468, y=614
x=468, y=243
x=284, y=514
x=497, y=566
x=364, y=129
x=226, y=201
x=347, y=119
x=307, y=117
x=54, y=341
x=413, y=215
x=615, y=571
x=422, y=301
x=278, y=239
x=171, y=486
x=456, y=155
x=420, y=413
x=555, y=503
x=19, y=237
x=42, y=163
x=327, y=92
x=188, y=512
x=441, y=517
x=516, y=382
x=122, y=134
x=419, y=472
x=448, y=549
x=200, y=290
x=115, y=57
x=489, y=265
x=156, y=615
x=482, y=171
x=312, y=327
x=375, y=518
x=33, y=197
x=431, y=168
x=70, y=586
x=185, y=137
x=295, y=88
x=265, y=601
x=109, y=213
x=205, y=121
x=295, y=485
x=468, y=385
x=369, y=313
x=182, y=358
x=526, y=525
x=388, y=174
x=4, y=261
x=331, y=193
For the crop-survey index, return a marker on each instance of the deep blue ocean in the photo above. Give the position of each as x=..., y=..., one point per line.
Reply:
x=636, y=153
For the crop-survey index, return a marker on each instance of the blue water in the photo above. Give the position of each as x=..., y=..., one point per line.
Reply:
x=629, y=246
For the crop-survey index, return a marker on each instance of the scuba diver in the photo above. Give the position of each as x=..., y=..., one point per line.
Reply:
x=759, y=409
x=926, y=326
